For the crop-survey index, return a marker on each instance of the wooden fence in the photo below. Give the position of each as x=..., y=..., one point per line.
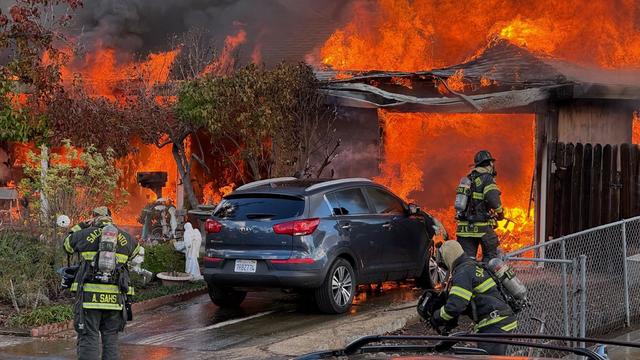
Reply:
x=592, y=185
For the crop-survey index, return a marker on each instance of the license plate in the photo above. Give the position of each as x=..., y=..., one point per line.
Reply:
x=246, y=266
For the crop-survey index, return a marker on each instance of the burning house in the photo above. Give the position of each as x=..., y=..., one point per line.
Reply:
x=562, y=135
x=427, y=93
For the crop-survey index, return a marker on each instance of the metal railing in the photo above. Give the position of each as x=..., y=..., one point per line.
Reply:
x=582, y=284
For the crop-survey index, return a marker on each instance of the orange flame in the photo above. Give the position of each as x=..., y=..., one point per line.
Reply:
x=102, y=72
x=421, y=35
x=147, y=158
x=456, y=81
x=425, y=155
x=226, y=60
x=213, y=196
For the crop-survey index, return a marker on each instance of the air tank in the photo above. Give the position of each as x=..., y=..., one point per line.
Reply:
x=462, y=195
x=508, y=278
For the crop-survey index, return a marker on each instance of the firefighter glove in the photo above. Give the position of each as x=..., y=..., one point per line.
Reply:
x=435, y=323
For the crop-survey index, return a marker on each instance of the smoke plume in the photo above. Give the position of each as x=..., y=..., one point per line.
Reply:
x=276, y=30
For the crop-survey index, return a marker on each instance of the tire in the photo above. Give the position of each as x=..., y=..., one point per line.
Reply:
x=433, y=276
x=225, y=296
x=335, y=295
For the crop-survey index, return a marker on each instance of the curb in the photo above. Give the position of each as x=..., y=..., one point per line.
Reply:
x=139, y=307
x=167, y=299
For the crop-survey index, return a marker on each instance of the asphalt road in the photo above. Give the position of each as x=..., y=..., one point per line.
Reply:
x=271, y=325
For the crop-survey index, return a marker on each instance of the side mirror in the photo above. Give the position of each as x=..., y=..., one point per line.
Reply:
x=413, y=209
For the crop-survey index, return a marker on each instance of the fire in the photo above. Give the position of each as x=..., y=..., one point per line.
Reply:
x=226, y=61
x=147, y=158
x=533, y=34
x=456, y=81
x=425, y=155
x=421, y=35
x=101, y=71
x=213, y=196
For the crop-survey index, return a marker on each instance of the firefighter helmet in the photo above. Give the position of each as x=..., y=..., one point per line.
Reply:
x=101, y=211
x=482, y=156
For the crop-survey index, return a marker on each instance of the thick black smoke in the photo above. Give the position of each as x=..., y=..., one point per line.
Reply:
x=281, y=29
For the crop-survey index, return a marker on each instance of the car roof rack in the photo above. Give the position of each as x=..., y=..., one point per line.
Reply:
x=254, y=184
x=335, y=182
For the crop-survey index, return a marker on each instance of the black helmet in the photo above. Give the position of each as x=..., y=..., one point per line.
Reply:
x=68, y=275
x=482, y=156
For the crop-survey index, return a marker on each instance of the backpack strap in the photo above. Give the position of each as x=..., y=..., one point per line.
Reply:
x=506, y=296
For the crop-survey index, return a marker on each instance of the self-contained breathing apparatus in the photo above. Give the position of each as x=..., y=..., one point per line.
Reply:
x=104, y=266
x=511, y=288
x=463, y=193
x=466, y=208
x=104, y=263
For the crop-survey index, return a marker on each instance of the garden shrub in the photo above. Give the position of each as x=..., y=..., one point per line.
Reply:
x=29, y=265
x=163, y=257
x=42, y=315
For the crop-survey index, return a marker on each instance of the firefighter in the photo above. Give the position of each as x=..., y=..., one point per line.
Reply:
x=102, y=306
x=473, y=292
x=476, y=223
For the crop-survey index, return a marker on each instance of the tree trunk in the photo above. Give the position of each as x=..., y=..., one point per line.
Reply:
x=44, y=167
x=255, y=169
x=184, y=169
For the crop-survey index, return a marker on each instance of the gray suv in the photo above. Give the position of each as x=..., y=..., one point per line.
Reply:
x=320, y=236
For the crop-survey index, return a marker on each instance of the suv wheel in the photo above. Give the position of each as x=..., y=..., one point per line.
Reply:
x=335, y=295
x=225, y=296
x=433, y=276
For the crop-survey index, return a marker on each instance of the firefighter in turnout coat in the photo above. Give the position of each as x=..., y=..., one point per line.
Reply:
x=475, y=225
x=101, y=300
x=475, y=293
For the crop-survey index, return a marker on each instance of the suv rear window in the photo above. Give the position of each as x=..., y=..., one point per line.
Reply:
x=257, y=207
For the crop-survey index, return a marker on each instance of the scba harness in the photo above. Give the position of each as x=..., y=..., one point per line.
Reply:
x=102, y=282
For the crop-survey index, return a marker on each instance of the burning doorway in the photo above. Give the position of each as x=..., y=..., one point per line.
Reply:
x=425, y=154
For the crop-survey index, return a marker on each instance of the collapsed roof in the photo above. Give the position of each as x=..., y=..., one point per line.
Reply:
x=503, y=78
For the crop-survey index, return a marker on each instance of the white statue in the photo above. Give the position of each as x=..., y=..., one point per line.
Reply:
x=192, y=241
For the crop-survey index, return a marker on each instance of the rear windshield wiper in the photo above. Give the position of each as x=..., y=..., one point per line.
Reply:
x=254, y=216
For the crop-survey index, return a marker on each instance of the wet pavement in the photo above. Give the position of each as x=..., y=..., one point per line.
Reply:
x=270, y=325
x=626, y=353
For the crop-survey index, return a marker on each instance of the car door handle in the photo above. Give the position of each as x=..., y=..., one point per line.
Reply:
x=387, y=226
x=346, y=226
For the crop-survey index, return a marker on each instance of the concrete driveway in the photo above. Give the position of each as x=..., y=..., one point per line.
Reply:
x=269, y=325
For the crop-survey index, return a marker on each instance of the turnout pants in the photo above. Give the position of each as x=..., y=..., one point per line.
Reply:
x=98, y=324
x=489, y=243
x=493, y=348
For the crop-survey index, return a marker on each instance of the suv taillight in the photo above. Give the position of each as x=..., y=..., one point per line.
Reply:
x=212, y=226
x=297, y=227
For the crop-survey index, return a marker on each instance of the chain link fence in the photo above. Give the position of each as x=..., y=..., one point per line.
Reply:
x=583, y=284
x=554, y=292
